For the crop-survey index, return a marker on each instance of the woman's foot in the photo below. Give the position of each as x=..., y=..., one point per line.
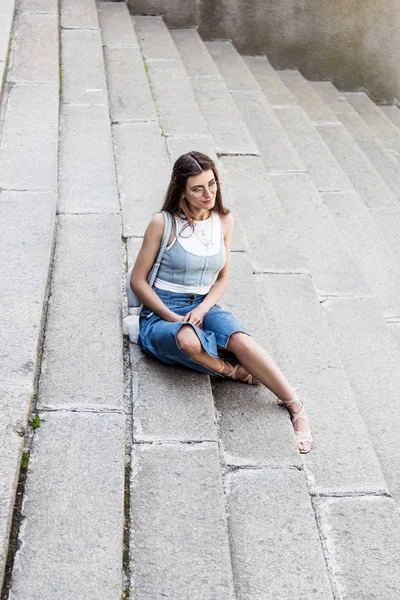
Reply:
x=237, y=372
x=300, y=422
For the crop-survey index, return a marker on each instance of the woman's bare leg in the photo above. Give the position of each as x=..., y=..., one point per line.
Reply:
x=258, y=362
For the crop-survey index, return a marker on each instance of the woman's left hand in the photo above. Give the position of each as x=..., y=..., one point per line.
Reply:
x=196, y=316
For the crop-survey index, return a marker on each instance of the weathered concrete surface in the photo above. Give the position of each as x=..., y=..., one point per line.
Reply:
x=76, y=14
x=265, y=227
x=128, y=87
x=269, y=81
x=275, y=552
x=230, y=64
x=14, y=407
x=28, y=161
x=138, y=148
x=313, y=152
x=83, y=78
x=27, y=221
x=6, y=20
x=82, y=356
x=393, y=113
x=275, y=148
x=87, y=178
x=386, y=131
x=306, y=97
x=365, y=179
x=371, y=359
x=74, y=510
x=389, y=222
x=361, y=539
x=320, y=243
x=155, y=39
x=193, y=51
x=351, y=44
x=35, y=49
x=342, y=460
x=38, y=6
x=170, y=404
x=179, y=547
x=116, y=24
x=374, y=256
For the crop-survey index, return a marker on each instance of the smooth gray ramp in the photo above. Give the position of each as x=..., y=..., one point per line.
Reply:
x=179, y=548
x=74, y=510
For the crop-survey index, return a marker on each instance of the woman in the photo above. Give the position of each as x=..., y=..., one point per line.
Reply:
x=181, y=322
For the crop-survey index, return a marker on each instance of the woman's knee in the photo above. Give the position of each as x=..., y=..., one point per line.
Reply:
x=188, y=340
x=240, y=341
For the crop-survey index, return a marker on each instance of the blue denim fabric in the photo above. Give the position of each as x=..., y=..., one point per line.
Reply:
x=158, y=337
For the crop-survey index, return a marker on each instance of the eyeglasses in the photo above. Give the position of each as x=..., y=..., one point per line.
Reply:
x=199, y=190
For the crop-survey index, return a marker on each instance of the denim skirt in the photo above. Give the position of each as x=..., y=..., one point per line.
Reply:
x=158, y=337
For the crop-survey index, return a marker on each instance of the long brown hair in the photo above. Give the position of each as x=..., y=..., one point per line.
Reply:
x=187, y=165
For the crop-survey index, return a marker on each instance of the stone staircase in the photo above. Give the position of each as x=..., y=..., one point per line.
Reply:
x=121, y=477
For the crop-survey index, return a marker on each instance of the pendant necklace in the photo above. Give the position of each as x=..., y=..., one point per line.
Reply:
x=201, y=233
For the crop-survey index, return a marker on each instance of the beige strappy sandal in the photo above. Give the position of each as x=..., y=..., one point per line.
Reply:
x=232, y=375
x=301, y=436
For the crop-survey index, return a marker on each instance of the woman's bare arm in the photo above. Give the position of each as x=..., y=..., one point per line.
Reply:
x=145, y=260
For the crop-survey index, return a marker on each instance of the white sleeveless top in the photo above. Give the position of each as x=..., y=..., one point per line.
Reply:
x=205, y=240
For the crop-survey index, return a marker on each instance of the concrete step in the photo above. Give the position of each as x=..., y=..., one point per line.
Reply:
x=7, y=10
x=382, y=159
x=342, y=461
x=393, y=113
x=28, y=182
x=275, y=148
x=386, y=131
x=371, y=358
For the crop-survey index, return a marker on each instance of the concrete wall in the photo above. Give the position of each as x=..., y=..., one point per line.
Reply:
x=354, y=43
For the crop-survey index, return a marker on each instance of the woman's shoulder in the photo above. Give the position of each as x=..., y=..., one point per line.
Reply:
x=226, y=221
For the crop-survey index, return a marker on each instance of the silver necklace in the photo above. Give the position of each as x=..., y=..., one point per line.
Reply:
x=202, y=233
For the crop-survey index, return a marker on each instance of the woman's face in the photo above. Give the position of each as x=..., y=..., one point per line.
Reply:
x=201, y=191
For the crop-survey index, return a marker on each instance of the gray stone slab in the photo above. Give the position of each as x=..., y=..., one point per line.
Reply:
x=175, y=99
x=363, y=176
x=384, y=162
x=179, y=547
x=82, y=355
x=170, y=403
x=6, y=21
x=260, y=215
x=230, y=135
x=393, y=113
x=312, y=150
x=27, y=221
x=269, y=81
x=83, y=77
x=194, y=54
x=76, y=14
x=342, y=460
x=394, y=328
x=74, y=509
x=320, y=243
x=386, y=131
x=2, y=76
x=306, y=97
x=14, y=406
x=87, y=179
x=128, y=87
x=233, y=69
x=372, y=253
x=389, y=223
x=154, y=38
x=331, y=96
x=116, y=24
x=29, y=143
x=362, y=549
x=178, y=145
x=254, y=430
x=371, y=358
x=35, y=49
x=272, y=141
x=275, y=546
x=39, y=6
x=138, y=148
